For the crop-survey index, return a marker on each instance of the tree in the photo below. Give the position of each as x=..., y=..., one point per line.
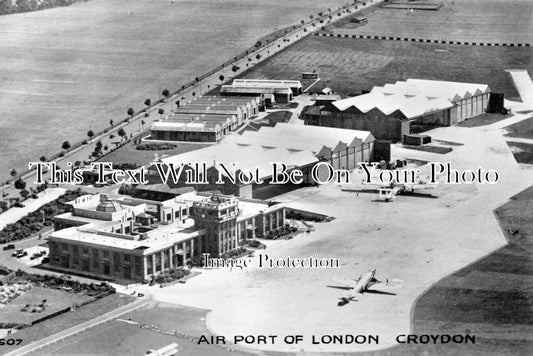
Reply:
x=24, y=194
x=98, y=147
x=42, y=158
x=111, y=122
x=130, y=112
x=161, y=111
x=166, y=93
x=148, y=102
x=65, y=145
x=121, y=132
x=20, y=184
x=303, y=21
x=142, y=123
x=221, y=78
x=13, y=173
x=197, y=79
x=90, y=133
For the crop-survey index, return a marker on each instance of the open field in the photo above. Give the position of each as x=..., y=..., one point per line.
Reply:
x=56, y=300
x=68, y=69
x=70, y=319
x=128, y=153
x=124, y=336
x=523, y=152
x=494, y=21
x=522, y=129
x=483, y=120
x=348, y=65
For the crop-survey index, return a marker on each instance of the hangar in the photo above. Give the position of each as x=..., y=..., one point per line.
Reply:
x=296, y=146
x=406, y=107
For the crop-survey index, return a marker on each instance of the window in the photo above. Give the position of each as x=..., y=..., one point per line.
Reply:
x=116, y=261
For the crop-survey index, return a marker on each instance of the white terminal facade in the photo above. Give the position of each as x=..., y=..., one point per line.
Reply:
x=133, y=240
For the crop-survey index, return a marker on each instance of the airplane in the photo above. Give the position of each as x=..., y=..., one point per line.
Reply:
x=168, y=350
x=362, y=285
x=388, y=191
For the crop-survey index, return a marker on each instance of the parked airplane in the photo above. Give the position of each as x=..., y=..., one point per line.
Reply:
x=388, y=192
x=362, y=285
x=168, y=350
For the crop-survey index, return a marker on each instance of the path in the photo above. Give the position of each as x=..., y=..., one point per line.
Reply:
x=15, y=214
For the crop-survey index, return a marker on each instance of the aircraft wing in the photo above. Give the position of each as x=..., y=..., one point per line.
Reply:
x=344, y=283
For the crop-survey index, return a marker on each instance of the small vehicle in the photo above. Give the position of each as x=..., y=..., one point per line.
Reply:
x=19, y=205
x=20, y=254
x=140, y=295
x=9, y=247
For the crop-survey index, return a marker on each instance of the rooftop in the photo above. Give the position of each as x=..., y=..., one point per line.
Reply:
x=451, y=91
x=163, y=236
x=300, y=137
x=410, y=106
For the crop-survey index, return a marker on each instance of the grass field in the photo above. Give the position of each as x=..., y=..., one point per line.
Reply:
x=348, y=65
x=522, y=152
x=483, y=120
x=501, y=21
x=522, y=129
x=56, y=300
x=70, y=319
x=125, y=336
x=128, y=153
x=68, y=69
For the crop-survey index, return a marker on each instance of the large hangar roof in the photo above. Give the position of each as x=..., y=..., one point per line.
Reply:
x=245, y=157
x=301, y=137
x=451, y=91
x=410, y=106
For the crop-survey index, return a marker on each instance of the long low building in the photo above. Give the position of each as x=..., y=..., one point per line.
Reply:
x=390, y=112
x=272, y=91
x=193, y=127
x=205, y=119
x=124, y=239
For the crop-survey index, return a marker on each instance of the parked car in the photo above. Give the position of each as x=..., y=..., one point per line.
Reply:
x=9, y=247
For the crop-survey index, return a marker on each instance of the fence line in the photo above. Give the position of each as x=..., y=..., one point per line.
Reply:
x=425, y=40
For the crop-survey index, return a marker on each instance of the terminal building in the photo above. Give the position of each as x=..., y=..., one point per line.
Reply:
x=127, y=239
x=395, y=110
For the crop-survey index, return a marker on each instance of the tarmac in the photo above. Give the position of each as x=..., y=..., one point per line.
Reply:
x=413, y=243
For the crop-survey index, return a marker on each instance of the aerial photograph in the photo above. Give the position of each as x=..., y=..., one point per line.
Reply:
x=276, y=178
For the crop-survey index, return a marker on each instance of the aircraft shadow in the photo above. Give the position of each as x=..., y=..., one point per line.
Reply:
x=418, y=195
x=340, y=287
